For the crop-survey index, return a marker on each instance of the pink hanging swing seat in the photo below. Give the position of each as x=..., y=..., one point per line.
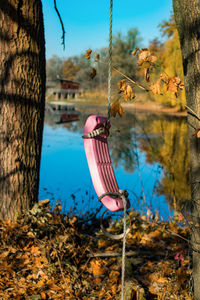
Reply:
x=96, y=131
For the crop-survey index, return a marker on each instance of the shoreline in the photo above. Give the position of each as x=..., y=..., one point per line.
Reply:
x=154, y=108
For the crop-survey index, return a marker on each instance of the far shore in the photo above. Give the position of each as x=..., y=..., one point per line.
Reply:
x=148, y=106
x=154, y=108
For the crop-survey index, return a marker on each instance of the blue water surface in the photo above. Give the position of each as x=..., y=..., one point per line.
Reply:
x=65, y=177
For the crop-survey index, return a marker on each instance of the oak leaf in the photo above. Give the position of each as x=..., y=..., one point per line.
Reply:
x=88, y=53
x=128, y=93
x=116, y=108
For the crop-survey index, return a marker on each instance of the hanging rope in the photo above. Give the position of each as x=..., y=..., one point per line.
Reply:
x=109, y=104
x=123, y=251
x=110, y=59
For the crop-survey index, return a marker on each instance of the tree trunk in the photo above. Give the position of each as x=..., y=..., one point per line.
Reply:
x=187, y=16
x=22, y=99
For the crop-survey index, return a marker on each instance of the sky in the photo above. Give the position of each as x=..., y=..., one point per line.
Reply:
x=87, y=23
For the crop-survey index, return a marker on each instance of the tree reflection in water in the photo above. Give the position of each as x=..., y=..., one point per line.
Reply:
x=163, y=139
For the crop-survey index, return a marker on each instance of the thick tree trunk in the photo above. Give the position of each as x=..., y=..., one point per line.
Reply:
x=187, y=16
x=22, y=99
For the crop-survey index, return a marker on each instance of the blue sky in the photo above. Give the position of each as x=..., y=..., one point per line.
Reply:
x=87, y=22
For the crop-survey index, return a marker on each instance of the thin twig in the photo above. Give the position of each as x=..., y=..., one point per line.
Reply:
x=61, y=270
x=62, y=25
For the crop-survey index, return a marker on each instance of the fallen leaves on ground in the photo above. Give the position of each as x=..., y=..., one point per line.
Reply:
x=48, y=255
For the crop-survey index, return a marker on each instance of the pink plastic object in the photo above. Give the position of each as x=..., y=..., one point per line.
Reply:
x=100, y=165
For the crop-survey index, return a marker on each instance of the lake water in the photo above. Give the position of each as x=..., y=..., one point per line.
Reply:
x=149, y=155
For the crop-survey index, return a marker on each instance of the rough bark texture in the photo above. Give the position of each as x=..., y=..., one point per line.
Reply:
x=187, y=16
x=22, y=99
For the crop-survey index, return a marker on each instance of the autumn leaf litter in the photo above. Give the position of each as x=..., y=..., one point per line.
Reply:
x=45, y=254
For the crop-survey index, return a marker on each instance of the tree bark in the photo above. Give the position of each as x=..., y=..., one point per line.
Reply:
x=22, y=100
x=187, y=17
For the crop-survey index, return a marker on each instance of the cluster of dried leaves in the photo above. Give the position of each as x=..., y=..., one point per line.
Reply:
x=147, y=62
x=47, y=255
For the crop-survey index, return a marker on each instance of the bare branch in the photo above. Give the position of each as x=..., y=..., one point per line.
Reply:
x=62, y=25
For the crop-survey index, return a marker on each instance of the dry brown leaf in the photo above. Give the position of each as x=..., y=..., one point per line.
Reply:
x=163, y=76
x=142, y=56
x=155, y=87
x=128, y=93
x=116, y=108
x=197, y=133
x=96, y=267
x=126, y=89
x=88, y=53
x=162, y=280
x=155, y=234
x=122, y=85
x=93, y=73
x=173, y=84
x=135, y=51
x=147, y=74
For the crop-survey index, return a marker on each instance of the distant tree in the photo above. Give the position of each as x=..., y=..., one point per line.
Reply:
x=54, y=68
x=122, y=49
x=83, y=74
x=22, y=100
x=70, y=68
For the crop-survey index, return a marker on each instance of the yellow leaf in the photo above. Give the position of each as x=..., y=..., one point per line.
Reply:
x=88, y=53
